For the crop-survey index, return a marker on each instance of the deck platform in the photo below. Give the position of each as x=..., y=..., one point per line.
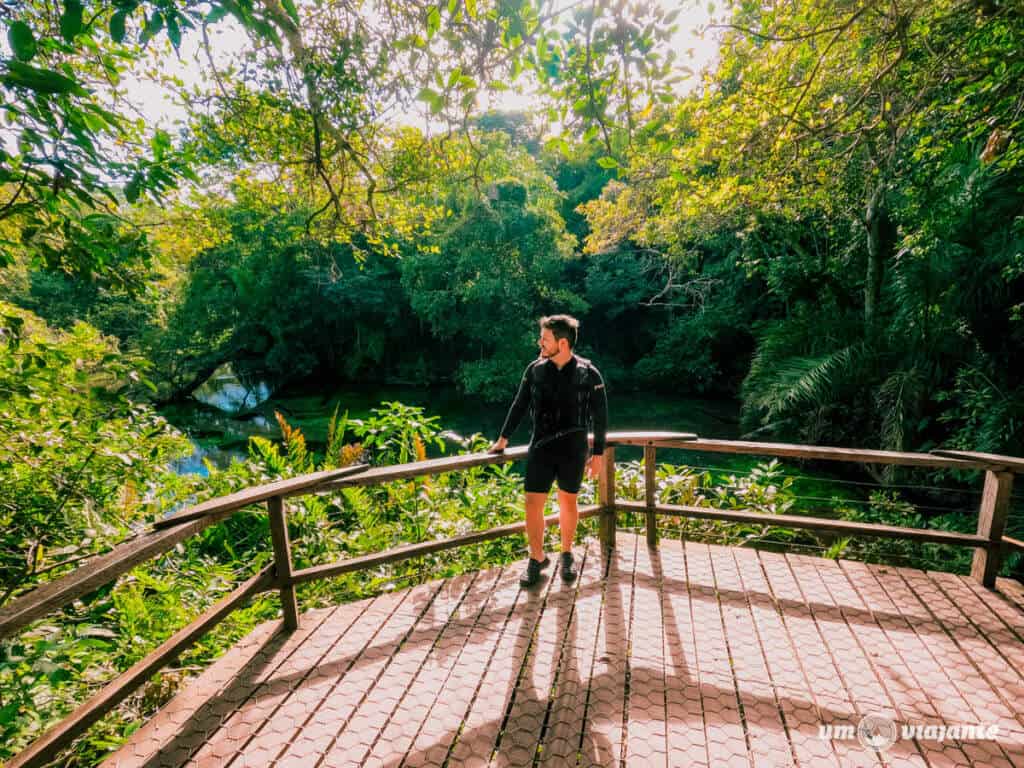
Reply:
x=688, y=655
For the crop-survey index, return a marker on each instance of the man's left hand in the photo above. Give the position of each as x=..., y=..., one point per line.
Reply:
x=596, y=465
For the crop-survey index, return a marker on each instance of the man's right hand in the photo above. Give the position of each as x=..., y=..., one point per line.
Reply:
x=499, y=445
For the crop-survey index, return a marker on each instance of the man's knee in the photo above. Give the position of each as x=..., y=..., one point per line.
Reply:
x=566, y=500
x=535, y=500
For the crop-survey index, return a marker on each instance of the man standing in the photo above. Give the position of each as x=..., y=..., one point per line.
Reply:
x=565, y=395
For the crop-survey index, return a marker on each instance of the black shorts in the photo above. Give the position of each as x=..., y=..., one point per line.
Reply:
x=564, y=459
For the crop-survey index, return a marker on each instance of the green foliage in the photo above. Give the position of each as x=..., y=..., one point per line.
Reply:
x=985, y=416
x=64, y=161
x=887, y=508
x=75, y=451
x=765, y=489
x=499, y=266
x=824, y=158
x=398, y=433
x=77, y=474
x=520, y=127
x=124, y=309
x=307, y=96
x=279, y=304
x=607, y=71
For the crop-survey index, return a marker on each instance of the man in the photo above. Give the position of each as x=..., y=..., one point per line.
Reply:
x=565, y=395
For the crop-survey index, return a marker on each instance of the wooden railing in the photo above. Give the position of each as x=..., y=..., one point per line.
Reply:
x=989, y=541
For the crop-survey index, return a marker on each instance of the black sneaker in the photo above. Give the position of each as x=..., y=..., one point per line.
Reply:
x=532, y=573
x=568, y=568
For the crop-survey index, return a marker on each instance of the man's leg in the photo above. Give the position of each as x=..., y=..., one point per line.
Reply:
x=535, y=523
x=570, y=475
x=568, y=518
x=539, y=476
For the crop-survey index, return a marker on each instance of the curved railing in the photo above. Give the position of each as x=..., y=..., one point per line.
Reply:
x=989, y=541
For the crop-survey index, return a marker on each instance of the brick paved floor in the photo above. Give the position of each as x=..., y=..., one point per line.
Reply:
x=688, y=655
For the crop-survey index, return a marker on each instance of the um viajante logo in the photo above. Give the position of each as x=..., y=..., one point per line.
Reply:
x=879, y=732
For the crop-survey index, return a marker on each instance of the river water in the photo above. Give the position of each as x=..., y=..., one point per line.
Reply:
x=219, y=436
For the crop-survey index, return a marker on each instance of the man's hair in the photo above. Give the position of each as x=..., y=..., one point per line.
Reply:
x=562, y=327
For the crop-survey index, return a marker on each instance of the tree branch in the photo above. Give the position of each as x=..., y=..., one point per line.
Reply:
x=17, y=193
x=778, y=38
x=303, y=60
x=817, y=66
x=590, y=81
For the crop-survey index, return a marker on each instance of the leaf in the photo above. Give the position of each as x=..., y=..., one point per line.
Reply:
x=560, y=145
x=542, y=49
x=9, y=712
x=607, y=162
x=154, y=25
x=39, y=80
x=433, y=21
x=293, y=13
x=22, y=41
x=131, y=189
x=216, y=14
x=433, y=98
x=71, y=20
x=471, y=8
x=117, y=25
x=173, y=32
x=94, y=122
x=59, y=676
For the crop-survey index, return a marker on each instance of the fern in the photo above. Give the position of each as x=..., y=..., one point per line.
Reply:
x=295, y=445
x=780, y=389
x=334, y=456
x=901, y=400
x=269, y=454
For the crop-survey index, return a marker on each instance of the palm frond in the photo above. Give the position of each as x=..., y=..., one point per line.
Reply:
x=901, y=399
x=779, y=388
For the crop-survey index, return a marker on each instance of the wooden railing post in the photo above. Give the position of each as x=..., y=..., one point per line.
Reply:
x=995, y=505
x=283, y=561
x=606, y=489
x=651, y=494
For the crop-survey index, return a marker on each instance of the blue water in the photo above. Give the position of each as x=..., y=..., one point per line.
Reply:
x=219, y=437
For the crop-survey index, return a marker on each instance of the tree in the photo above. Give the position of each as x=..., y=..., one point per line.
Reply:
x=818, y=107
x=70, y=154
x=315, y=109
x=606, y=72
x=496, y=266
x=72, y=157
x=279, y=304
x=843, y=153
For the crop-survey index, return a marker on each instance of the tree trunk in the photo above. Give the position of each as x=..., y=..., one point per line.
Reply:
x=876, y=222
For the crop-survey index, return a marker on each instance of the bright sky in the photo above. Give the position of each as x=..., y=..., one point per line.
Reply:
x=192, y=67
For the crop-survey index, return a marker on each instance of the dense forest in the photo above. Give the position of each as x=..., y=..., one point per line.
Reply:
x=826, y=222
x=828, y=226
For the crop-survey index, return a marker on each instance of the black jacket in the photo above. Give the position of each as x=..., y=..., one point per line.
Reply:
x=561, y=402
